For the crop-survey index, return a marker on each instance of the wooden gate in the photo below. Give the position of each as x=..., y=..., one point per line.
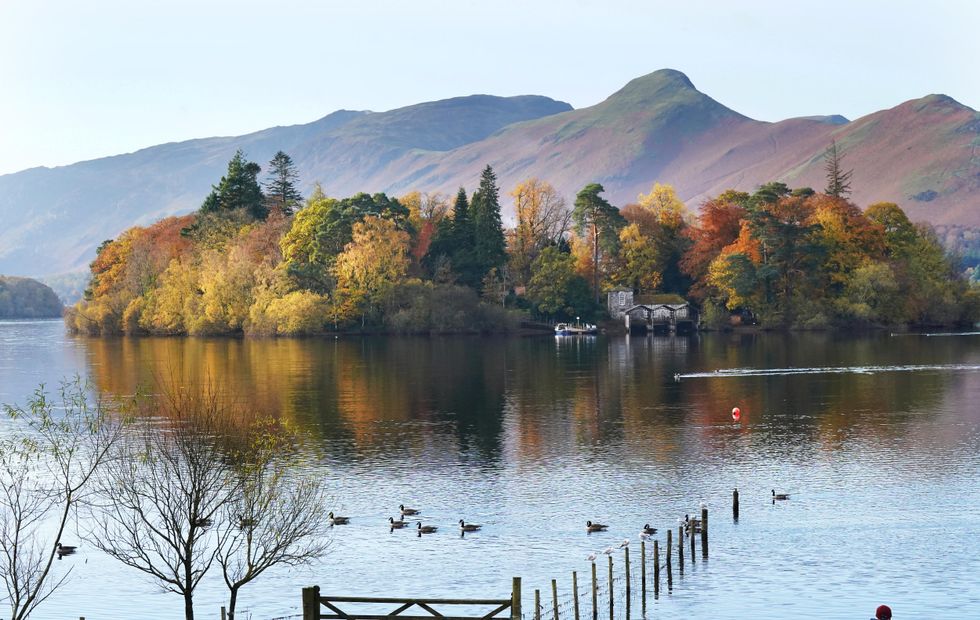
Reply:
x=422, y=608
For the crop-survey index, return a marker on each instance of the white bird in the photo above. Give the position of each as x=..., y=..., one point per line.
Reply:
x=644, y=536
x=624, y=544
x=591, y=557
x=608, y=550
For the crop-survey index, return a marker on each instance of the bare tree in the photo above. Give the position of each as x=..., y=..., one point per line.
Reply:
x=162, y=498
x=275, y=519
x=47, y=468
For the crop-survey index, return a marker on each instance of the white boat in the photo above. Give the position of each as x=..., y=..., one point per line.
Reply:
x=583, y=329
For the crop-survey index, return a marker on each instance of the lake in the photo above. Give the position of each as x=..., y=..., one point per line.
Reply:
x=876, y=438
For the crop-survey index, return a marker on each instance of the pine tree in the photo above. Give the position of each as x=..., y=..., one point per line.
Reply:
x=838, y=180
x=238, y=189
x=595, y=217
x=488, y=231
x=280, y=188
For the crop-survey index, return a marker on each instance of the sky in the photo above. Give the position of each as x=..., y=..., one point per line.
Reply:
x=81, y=80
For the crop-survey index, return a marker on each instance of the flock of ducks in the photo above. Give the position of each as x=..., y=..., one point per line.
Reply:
x=333, y=519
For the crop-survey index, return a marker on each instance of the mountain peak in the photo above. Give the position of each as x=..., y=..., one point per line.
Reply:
x=659, y=84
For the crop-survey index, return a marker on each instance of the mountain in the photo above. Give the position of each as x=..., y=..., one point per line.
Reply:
x=923, y=154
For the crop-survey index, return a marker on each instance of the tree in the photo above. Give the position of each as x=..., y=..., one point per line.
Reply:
x=371, y=264
x=452, y=251
x=238, y=189
x=276, y=519
x=542, y=220
x=489, y=247
x=46, y=472
x=280, y=188
x=554, y=285
x=718, y=226
x=640, y=264
x=164, y=492
x=838, y=179
x=598, y=219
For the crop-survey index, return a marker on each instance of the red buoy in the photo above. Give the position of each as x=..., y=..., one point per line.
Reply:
x=736, y=414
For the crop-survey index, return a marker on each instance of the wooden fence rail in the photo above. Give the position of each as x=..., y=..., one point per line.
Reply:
x=314, y=602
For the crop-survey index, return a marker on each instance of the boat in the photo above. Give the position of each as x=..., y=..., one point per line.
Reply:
x=578, y=329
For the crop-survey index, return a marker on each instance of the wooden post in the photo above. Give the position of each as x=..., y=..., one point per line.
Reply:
x=669, y=545
x=554, y=597
x=537, y=604
x=610, y=589
x=735, y=505
x=311, y=603
x=595, y=595
x=643, y=573
x=575, y=592
x=693, y=548
x=224, y=613
x=704, y=532
x=680, y=547
x=515, y=599
x=656, y=568
x=626, y=560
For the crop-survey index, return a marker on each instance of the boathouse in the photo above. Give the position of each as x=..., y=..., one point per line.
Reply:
x=652, y=313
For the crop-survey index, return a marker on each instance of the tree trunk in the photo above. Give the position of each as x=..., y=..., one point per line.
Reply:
x=595, y=260
x=188, y=605
x=232, y=600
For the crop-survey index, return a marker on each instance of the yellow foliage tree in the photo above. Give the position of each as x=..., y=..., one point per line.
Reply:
x=663, y=201
x=373, y=262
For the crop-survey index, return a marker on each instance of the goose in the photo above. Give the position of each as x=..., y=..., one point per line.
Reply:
x=396, y=524
x=426, y=529
x=332, y=520
x=595, y=527
x=408, y=511
x=649, y=531
x=65, y=549
x=779, y=496
x=468, y=527
x=202, y=522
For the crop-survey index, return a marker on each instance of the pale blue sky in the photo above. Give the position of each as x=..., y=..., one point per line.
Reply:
x=86, y=79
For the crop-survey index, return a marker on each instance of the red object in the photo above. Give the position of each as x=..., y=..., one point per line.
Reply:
x=884, y=612
x=736, y=414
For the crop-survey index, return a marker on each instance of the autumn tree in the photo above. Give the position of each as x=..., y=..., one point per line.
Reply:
x=555, y=290
x=426, y=212
x=280, y=187
x=542, y=220
x=370, y=265
x=599, y=222
x=718, y=226
x=838, y=179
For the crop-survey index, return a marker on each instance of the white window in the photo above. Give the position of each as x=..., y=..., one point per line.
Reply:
x=622, y=298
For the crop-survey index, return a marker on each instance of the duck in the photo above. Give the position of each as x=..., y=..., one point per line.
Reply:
x=468, y=527
x=65, y=549
x=779, y=496
x=407, y=512
x=649, y=531
x=426, y=529
x=595, y=527
x=396, y=524
x=332, y=520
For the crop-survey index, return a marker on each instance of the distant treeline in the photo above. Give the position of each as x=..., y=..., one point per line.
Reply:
x=23, y=298
x=259, y=259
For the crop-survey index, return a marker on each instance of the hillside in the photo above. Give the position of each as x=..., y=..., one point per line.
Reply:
x=923, y=154
x=23, y=298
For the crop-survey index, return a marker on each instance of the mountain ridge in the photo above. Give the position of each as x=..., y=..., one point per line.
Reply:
x=923, y=154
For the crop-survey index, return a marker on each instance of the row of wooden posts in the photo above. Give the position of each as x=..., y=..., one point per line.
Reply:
x=668, y=565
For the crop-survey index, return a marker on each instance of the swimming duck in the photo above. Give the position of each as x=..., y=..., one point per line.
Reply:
x=468, y=527
x=65, y=549
x=426, y=529
x=396, y=524
x=779, y=496
x=332, y=520
x=408, y=511
x=595, y=527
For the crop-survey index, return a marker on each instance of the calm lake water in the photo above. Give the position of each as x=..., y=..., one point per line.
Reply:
x=878, y=443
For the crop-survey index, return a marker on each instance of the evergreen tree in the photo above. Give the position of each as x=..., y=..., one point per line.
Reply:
x=280, y=188
x=489, y=246
x=595, y=217
x=238, y=189
x=838, y=180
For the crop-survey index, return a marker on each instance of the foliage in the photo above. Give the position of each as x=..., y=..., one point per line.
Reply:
x=488, y=232
x=542, y=220
x=280, y=189
x=418, y=307
x=838, y=179
x=238, y=190
x=598, y=222
x=23, y=298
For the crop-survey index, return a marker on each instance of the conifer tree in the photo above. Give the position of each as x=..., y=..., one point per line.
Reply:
x=280, y=188
x=238, y=189
x=489, y=245
x=838, y=180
